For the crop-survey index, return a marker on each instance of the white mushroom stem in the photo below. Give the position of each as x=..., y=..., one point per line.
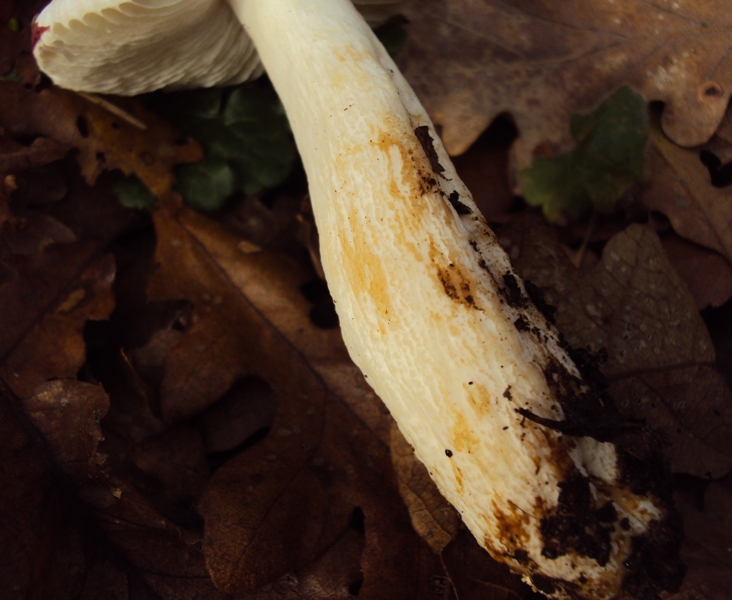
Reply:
x=433, y=315
x=478, y=380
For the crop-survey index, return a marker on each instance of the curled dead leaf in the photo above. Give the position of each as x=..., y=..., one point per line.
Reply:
x=432, y=516
x=45, y=307
x=707, y=549
x=707, y=273
x=66, y=523
x=60, y=406
x=104, y=140
x=681, y=189
x=41, y=152
x=661, y=361
x=476, y=576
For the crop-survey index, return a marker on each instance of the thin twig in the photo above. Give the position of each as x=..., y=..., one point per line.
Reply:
x=114, y=109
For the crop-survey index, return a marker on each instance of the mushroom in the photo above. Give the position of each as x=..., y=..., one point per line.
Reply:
x=542, y=470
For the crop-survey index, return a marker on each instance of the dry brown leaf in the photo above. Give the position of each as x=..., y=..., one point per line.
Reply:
x=104, y=140
x=484, y=169
x=432, y=516
x=42, y=551
x=42, y=186
x=273, y=226
x=130, y=416
x=92, y=213
x=334, y=576
x=177, y=459
x=155, y=553
x=15, y=40
x=720, y=145
x=248, y=407
x=543, y=61
x=707, y=273
x=41, y=152
x=7, y=187
x=724, y=131
x=60, y=406
x=219, y=333
x=682, y=190
x=476, y=576
x=270, y=283
x=67, y=528
x=707, y=550
x=29, y=232
x=45, y=306
x=282, y=499
x=292, y=495
x=660, y=357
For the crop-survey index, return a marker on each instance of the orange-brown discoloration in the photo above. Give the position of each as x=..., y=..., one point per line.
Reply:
x=444, y=322
x=415, y=172
x=514, y=527
x=458, y=474
x=406, y=183
x=464, y=438
x=343, y=77
x=479, y=398
x=366, y=273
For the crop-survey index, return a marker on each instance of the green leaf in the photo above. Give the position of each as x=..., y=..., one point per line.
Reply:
x=132, y=193
x=206, y=185
x=606, y=162
x=245, y=135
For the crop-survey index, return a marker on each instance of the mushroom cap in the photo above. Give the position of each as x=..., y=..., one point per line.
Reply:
x=136, y=46
x=132, y=47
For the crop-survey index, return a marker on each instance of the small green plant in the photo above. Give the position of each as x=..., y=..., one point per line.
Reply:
x=245, y=136
x=606, y=162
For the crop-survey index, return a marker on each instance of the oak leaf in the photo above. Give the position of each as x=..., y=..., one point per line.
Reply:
x=69, y=528
x=543, y=61
x=142, y=143
x=432, y=516
x=706, y=550
x=325, y=462
x=42, y=550
x=15, y=157
x=681, y=189
x=476, y=576
x=707, y=273
x=661, y=361
x=45, y=305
